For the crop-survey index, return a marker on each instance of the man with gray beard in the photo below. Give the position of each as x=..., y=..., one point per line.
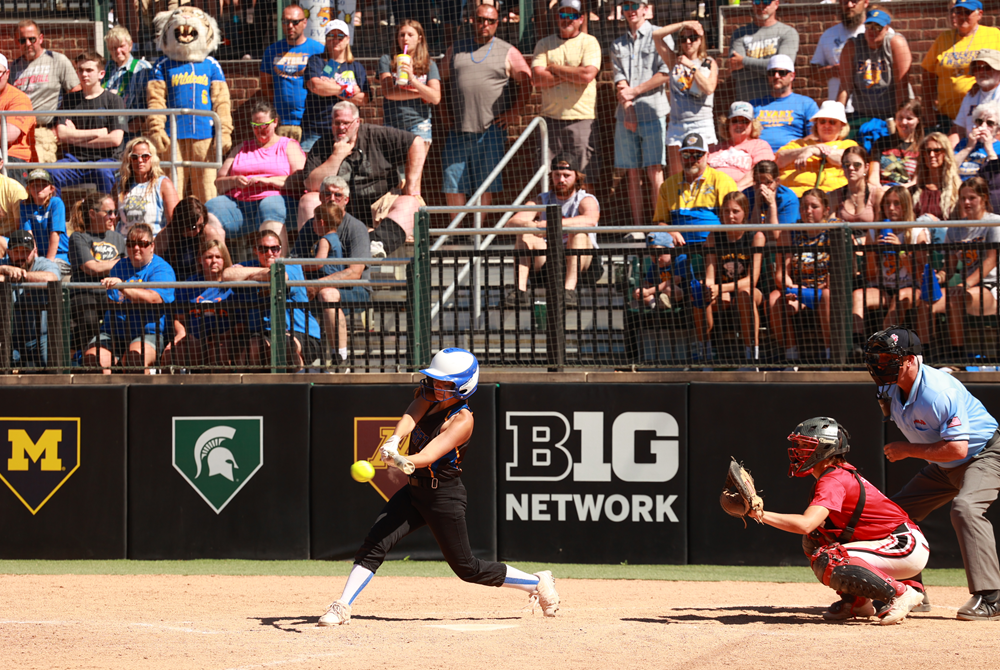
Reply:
x=985, y=67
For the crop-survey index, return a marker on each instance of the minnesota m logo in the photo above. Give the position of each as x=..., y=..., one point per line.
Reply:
x=41, y=453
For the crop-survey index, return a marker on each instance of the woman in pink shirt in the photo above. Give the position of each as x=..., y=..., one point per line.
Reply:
x=741, y=147
x=252, y=178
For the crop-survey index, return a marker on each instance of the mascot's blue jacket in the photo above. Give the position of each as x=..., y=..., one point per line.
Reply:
x=189, y=85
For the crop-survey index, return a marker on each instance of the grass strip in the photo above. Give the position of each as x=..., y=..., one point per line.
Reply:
x=407, y=568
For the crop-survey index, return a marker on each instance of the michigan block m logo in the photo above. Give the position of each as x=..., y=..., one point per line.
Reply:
x=41, y=454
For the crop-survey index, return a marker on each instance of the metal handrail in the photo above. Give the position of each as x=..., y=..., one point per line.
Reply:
x=543, y=129
x=541, y=174
x=171, y=114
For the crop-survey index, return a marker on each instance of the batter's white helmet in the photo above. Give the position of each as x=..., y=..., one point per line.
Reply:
x=457, y=366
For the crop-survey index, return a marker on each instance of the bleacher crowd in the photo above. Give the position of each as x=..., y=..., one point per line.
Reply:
x=894, y=142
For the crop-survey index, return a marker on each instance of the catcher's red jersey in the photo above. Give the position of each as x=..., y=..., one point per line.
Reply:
x=880, y=516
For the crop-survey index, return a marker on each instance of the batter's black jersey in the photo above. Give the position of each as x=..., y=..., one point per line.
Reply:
x=429, y=427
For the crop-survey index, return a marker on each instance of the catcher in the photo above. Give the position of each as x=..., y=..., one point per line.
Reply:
x=859, y=542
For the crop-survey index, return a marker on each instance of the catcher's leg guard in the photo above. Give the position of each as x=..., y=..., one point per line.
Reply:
x=834, y=567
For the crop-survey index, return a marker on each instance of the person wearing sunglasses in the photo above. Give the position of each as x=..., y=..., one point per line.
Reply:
x=741, y=147
x=134, y=336
x=980, y=146
x=783, y=115
x=331, y=77
x=91, y=138
x=564, y=69
x=144, y=193
x=95, y=247
x=252, y=178
x=283, y=71
x=814, y=161
x=42, y=75
x=874, y=70
x=693, y=79
x=955, y=440
x=752, y=45
x=945, y=75
x=640, y=76
x=29, y=332
x=985, y=67
x=935, y=191
x=303, y=331
x=485, y=82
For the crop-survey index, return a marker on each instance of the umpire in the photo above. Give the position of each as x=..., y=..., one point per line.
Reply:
x=948, y=427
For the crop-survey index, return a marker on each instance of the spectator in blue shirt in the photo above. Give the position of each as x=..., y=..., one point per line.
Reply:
x=331, y=76
x=44, y=215
x=282, y=71
x=770, y=202
x=783, y=115
x=136, y=334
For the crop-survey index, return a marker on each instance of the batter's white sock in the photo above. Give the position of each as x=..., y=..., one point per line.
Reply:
x=516, y=579
x=357, y=580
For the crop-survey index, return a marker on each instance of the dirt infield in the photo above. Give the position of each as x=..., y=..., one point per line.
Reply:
x=117, y=622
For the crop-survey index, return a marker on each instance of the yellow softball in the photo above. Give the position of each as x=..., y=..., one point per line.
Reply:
x=362, y=471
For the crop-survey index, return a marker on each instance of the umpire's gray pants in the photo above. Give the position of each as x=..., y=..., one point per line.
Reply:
x=971, y=489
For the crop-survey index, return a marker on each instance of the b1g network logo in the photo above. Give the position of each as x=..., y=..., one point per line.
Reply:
x=41, y=454
x=218, y=455
x=547, y=447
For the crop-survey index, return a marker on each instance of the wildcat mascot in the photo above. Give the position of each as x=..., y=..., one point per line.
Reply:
x=187, y=77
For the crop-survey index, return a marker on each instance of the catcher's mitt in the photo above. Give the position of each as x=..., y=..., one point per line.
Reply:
x=739, y=495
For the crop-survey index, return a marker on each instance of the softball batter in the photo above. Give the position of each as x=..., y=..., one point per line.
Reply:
x=440, y=425
x=868, y=543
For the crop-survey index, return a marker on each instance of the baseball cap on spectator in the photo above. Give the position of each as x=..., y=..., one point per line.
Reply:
x=3, y=62
x=740, y=109
x=571, y=4
x=989, y=56
x=694, y=142
x=21, y=238
x=563, y=162
x=781, y=62
x=39, y=174
x=971, y=5
x=336, y=24
x=831, y=109
x=879, y=17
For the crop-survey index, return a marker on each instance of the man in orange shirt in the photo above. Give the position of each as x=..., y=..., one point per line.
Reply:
x=20, y=129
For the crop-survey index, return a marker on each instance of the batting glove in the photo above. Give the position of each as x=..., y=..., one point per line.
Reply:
x=392, y=444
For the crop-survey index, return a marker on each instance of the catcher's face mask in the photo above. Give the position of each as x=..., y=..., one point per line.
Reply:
x=801, y=453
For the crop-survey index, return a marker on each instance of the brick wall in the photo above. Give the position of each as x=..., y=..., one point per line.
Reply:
x=920, y=21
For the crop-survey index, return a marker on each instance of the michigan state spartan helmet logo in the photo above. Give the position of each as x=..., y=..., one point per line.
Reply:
x=218, y=455
x=209, y=448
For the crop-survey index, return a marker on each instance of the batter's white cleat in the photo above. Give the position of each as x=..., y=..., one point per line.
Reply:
x=849, y=608
x=337, y=614
x=901, y=605
x=548, y=599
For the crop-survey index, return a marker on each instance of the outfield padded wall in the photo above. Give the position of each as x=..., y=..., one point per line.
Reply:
x=69, y=504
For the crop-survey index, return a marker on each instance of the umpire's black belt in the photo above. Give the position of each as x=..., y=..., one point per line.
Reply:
x=433, y=482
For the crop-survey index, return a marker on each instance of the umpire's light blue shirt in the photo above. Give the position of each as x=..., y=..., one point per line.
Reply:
x=939, y=408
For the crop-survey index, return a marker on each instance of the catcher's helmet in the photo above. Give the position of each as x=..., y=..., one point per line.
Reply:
x=815, y=440
x=454, y=365
x=885, y=351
